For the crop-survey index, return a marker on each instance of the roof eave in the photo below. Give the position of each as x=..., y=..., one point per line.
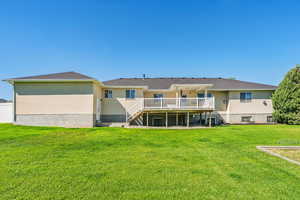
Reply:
x=171, y=88
x=12, y=81
x=242, y=89
x=125, y=86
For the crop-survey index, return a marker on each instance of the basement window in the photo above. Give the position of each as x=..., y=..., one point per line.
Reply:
x=246, y=119
x=270, y=119
x=108, y=94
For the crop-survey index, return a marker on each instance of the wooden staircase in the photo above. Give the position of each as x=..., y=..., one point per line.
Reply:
x=137, y=118
x=134, y=113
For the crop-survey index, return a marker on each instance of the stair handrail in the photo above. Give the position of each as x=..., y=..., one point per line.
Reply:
x=133, y=109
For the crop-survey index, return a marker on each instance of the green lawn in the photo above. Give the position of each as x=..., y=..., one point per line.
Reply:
x=115, y=163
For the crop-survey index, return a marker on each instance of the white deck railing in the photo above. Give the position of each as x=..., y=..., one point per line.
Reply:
x=179, y=103
x=139, y=104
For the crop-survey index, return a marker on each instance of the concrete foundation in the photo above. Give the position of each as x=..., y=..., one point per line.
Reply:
x=61, y=120
x=113, y=118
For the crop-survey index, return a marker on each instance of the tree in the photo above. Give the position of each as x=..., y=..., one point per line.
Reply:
x=286, y=99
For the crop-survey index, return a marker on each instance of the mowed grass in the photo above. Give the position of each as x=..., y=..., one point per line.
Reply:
x=116, y=163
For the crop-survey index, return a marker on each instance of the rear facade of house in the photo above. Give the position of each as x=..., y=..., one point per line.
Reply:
x=71, y=99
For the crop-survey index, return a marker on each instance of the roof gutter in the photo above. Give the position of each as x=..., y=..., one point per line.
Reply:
x=126, y=86
x=243, y=89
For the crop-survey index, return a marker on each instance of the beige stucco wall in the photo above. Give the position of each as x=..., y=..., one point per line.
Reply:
x=118, y=104
x=97, y=90
x=221, y=100
x=261, y=102
x=54, y=98
x=167, y=94
x=227, y=104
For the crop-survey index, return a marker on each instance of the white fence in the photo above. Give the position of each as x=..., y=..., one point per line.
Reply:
x=6, y=112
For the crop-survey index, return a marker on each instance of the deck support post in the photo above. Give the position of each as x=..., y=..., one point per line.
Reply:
x=200, y=119
x=177, y=100
x=176, y=118
x=205, y=117
x=209, y=119
x=147, y=119
x=188, y=119
x=166, y=119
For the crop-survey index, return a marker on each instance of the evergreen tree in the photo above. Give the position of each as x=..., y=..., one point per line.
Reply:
x=286, y=99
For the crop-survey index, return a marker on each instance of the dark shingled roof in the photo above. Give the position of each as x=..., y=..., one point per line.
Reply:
x=3, y=101
x=165, y=83
x=61, y=76
x=157, y=83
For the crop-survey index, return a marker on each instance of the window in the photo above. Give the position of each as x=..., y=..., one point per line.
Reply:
x=202, y=95
x=108, y=94
x=183, y=98
x=130, y=94
x=270, y=119
x=246, y=119
x=245, y=97
x=156, y=96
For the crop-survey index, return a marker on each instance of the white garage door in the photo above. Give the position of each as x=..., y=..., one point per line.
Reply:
x=6, y=112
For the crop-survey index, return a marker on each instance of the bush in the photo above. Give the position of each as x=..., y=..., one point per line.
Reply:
x=286, y=99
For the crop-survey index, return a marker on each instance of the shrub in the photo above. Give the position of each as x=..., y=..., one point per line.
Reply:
x=286, y=99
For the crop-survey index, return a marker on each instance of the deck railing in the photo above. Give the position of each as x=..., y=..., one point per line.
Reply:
x=137, y=105
x=179, y=103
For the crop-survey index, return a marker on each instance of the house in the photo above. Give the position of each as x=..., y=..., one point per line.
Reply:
x=72, y=99
x=3, y=101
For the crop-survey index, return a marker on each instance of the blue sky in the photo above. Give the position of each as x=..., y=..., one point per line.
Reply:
x=252, y=40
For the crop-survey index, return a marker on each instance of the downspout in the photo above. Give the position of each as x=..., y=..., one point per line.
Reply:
x=14, y=104
x=228, y=109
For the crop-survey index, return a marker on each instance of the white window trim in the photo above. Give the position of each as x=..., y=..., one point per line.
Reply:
x=109, y=92
x=130, y=94
x=246, y=100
